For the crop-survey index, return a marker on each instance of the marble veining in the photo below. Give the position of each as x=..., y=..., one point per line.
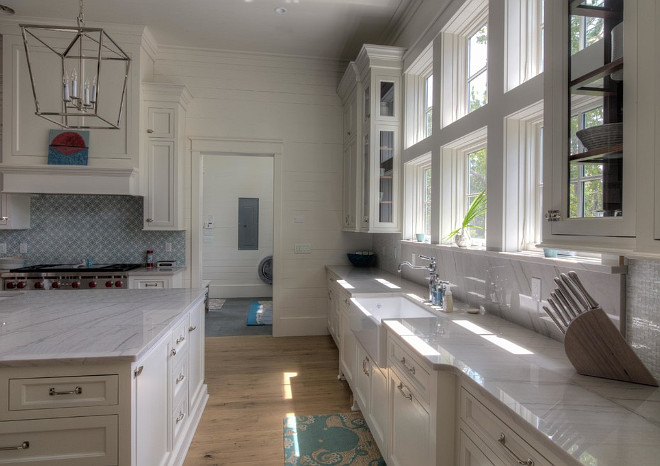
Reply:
x=596, y=421
x=63, y=325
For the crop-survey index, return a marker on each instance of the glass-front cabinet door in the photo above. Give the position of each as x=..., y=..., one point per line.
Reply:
x=366, y=185
x=589, y=196
x=386, y=177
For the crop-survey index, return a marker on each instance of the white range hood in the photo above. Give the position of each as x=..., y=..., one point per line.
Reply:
x=68, y=179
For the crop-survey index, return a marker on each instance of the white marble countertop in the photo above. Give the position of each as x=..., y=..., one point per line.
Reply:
x=67, y=325
x=598, y=422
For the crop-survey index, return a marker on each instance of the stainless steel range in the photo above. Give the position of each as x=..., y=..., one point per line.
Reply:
x=67, y=277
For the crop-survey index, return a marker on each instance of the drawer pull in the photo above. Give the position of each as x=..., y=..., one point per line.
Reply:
x=180, y=378
x=400, y=387
x=410, y=369
x=75, y=391
x=148, y=285
x=180, y=417
x=364, y=366
x=138, y=371
x=180, y=339
x=502, y=440
x=192, y=329
x=22, y=446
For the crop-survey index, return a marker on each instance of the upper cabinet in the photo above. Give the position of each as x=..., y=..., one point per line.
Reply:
x=14, y=211
x=371, y=93
x=589, y=147
x=164, y=148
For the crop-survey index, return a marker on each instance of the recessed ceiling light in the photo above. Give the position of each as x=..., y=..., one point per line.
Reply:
x=5, y=10
x=280, y=10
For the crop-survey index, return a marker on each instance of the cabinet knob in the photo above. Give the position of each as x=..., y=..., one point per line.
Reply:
x=192, y=329
x=173, y=352
x=149, y=220
x=150, y=131
x=138, y=371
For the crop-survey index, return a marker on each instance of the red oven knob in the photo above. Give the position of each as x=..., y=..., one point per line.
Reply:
x=39, y=285
x=10, y=285
x=20, y=285
x=118, y=283
x=108, y=284
x=92, y=284
x=75, y=284
x=55, y=284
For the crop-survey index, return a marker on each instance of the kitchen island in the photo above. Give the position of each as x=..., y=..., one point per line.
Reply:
x=100, y=377
x=488, y=391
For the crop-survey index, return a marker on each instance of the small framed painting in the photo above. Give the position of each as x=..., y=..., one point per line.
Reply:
x=66, y=147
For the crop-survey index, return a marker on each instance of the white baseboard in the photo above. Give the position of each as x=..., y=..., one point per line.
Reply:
x=300, y=326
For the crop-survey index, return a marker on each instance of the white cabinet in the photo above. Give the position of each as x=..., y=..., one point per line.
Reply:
x=164, y=150
x=196, y=356
x=589, y=189
x=473, y=452
x=371, y=94
x=151, y=401
x=348, y=349
x=333, y=309
x=155, y=281
x=410, y=427
x=370, y=389
x=14, y=211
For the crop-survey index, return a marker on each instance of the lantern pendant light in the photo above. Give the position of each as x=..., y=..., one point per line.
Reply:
x=68, y=66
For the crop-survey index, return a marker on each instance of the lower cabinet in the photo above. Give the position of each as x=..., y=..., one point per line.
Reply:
x=75, y=441
x=349, y=345
x=155, y=282
x=371, y=393
x=140, y=413
x=475, y=453
x=151, y=419
x=410, y=426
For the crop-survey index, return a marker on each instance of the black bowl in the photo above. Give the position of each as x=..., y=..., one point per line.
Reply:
x=362, y=259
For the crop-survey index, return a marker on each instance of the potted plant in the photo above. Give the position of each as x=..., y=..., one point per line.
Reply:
x=477, y=208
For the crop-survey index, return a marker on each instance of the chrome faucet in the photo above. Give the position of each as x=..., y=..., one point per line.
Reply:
x=431, y=267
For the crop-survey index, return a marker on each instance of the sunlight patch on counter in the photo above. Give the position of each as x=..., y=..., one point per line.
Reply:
x=503, y=343
x=382, y=281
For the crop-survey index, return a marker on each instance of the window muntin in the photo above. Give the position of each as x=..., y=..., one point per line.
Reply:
x=477, y=68
x=425, y=199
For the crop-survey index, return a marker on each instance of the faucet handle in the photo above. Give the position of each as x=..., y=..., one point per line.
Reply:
x=432, y=259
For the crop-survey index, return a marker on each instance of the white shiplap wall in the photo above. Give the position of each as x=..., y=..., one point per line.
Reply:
x=254, y=96
x=234, y=273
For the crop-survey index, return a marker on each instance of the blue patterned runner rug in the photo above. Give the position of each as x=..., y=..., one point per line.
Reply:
x=337, y=439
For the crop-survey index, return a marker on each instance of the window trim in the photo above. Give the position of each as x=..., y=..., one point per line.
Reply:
x=415, y=82
x=414, y=171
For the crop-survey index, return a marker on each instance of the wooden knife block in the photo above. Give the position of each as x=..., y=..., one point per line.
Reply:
x=595, y=347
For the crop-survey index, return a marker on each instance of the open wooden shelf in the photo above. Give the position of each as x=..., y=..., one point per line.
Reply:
x=598, y=155
x=577, y=86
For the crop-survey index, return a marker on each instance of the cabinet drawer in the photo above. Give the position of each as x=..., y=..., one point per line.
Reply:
x=495, y=433
x=412, y=368
x=180, y=414
x=151, y=284
x=180, y=337
x=63, y=392
x=66, y=441
x=180, y=377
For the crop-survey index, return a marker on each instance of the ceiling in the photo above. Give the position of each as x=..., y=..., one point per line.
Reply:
x=315, y=28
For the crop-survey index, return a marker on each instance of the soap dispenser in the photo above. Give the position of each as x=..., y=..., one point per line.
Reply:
x=448, y=301
x=438, y=291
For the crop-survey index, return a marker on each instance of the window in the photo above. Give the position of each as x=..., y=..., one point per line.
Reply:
x=419, y=98
x=463, y=85
x=475, y=165
x=419, y=182
x=586, y=179
x=525, y=31
x=477, y=68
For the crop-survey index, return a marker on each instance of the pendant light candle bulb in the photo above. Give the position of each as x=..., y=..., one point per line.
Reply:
x=67, y=95
x=74, y=84
x=86, y=93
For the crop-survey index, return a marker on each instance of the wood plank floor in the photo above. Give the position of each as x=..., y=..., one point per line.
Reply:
x=254, y=382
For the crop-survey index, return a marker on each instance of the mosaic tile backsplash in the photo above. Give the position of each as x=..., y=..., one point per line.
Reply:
x=67, y=228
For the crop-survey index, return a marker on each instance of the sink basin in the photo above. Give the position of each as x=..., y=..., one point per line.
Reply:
x=367, y=313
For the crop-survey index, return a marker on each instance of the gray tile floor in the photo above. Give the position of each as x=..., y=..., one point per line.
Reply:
x=230, y=320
